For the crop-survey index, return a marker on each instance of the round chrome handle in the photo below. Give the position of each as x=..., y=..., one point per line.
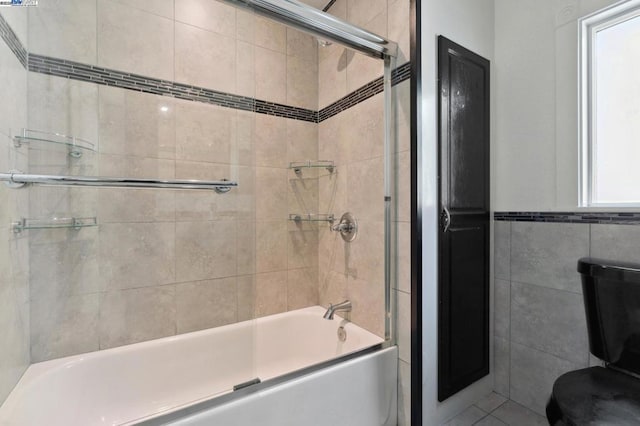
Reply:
x=347, y=227
x=446, y=218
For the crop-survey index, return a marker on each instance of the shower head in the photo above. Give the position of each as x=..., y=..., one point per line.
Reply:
x=323, y=43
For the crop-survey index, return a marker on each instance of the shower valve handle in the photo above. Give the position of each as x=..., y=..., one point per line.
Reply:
x=343, y=227
x=347, y=227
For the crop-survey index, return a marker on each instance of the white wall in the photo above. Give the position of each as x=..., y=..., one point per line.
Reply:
x=536, y=82
x=469, y=23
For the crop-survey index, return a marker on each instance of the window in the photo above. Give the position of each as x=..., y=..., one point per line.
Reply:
x=610, y=107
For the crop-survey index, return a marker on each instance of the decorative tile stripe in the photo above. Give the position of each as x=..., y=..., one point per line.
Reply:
x=13, y=42
x=109, y=77
x=287, y=111
x=400, y=74
x=352, y=99
x=328, y=6
x=570, y=217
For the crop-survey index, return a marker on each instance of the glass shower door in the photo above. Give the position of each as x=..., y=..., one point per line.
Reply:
x=148, y=266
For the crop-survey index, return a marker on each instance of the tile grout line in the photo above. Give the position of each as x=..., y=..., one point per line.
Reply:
x=101, y=296
x=482, y=418
x=510, y=316
x=490, y=413
x=590, y=242
x=546, y=353
x=545, y=287
x=175, y=169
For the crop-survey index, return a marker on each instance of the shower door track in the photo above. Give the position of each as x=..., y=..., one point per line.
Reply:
x=323, y=25
x=216, y=401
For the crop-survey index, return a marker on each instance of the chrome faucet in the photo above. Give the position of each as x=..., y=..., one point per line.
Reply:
x=339, y=307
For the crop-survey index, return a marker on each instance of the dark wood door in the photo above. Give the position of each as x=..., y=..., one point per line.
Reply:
x=463, y=317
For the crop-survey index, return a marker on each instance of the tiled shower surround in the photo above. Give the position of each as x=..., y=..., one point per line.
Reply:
x=354, y=139
x=14, y=248
x=168, y=262
x=540, y=328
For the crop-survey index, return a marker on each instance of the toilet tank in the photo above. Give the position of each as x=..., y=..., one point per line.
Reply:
x=611, y=292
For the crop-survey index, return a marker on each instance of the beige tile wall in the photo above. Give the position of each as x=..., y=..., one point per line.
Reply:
x=14, y=248
x=200, y=42
x=351, y=139
x=167, y=262
x=342, y=71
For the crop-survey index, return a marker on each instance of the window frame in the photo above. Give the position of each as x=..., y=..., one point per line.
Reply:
x=589, y=26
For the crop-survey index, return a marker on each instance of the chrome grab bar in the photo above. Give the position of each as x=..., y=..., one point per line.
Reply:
x=18, y=179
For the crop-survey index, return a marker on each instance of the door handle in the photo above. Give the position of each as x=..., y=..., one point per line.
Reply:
x=446, y=219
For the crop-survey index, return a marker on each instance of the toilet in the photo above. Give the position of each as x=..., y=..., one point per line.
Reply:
x=607, y=395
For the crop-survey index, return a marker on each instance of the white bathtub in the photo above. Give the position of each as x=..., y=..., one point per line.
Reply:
x=128, y=384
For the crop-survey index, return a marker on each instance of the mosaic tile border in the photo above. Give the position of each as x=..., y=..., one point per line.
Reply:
x=109, y=77
x=13, y=42
x=400, y=74
x=286, y=111
x=570, y=217
x=328, y=6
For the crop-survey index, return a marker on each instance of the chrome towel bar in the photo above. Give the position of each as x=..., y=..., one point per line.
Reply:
x=18, y=179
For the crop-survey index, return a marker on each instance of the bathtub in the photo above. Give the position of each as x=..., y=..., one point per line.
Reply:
x=151, y=380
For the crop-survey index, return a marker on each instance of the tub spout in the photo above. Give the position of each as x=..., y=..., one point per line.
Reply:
x=339, y=307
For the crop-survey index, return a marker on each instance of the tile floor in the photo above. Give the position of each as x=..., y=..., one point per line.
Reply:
x=496, y=410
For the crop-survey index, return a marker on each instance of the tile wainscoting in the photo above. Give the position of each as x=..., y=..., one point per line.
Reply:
x=539, y=324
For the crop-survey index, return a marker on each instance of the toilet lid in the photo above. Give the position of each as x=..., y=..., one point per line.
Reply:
x=598, y=396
